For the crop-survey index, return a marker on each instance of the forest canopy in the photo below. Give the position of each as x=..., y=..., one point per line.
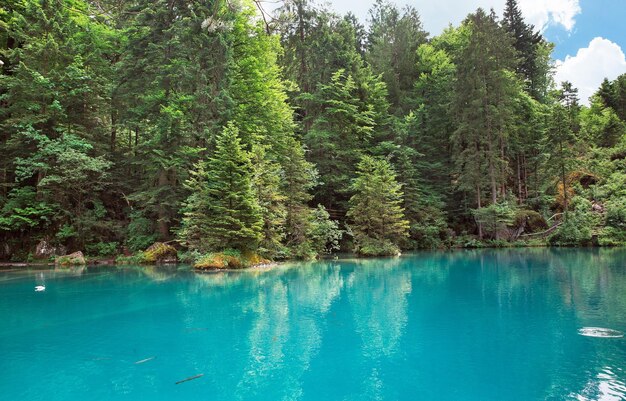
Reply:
x=218, y=127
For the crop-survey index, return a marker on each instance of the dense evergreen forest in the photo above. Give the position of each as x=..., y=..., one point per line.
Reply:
x=215, y=126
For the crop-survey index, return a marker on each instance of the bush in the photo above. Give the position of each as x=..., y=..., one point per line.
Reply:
x=611, y=236
x=373, y=247
x=496, y=217
x=136, y=259
x=324, y=233
x=577, y=230
x=571, y=233
x=189, y=257
x=465, y=240
x=102, y=249
x=616, y=214
x=303, y=251
x=140, y=232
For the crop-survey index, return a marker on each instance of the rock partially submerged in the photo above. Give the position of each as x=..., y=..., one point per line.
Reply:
x=73, y=259
x=160, y=252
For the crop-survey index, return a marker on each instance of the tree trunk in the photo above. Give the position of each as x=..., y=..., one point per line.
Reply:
x=494, y=186
x=520, y=191
x=163, y=221
x=113, y=131
x=478, y=203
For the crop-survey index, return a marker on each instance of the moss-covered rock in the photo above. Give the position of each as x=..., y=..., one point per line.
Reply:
x=73, y=259
x=530, y=220
x=160, y=252
x=228, y=260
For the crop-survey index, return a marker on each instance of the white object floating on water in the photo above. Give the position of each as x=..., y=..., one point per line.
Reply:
x=40, y=288
x=600, y=332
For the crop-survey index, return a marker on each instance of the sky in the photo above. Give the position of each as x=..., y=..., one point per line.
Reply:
x=589, y=35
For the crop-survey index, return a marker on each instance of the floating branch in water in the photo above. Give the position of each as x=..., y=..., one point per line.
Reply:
x=190, y=378
x=145, y=360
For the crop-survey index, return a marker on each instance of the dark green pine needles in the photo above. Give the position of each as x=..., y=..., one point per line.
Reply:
x=222, y=211
x=376, y=213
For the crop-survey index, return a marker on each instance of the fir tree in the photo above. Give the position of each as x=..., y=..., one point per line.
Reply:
x=223, y=212
x=393, y=39
x=376, y=213
x=485, y=88
x=267, y=175
x=527, y=43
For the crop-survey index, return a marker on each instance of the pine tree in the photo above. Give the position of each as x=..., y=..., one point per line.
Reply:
x=346, y=127
x=300, y=177
x=485, y=88
x=172, y=98
x=527, y=43
x=376, y=213
x=223, y=211
x=567, y=95
x=267, y=175
x=393, y=39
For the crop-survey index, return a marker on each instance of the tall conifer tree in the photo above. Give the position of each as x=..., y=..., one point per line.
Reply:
x=376, y=213
x=223, y=212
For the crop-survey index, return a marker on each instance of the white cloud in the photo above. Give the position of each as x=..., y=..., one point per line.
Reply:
x=586, y=70
x=543, y=13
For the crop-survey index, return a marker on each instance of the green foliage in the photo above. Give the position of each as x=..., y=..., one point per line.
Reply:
x=495, y=217
x=616, y=214
x=342, y=130
x=228, y=259
x=266, y=183
x=139, y=232
x=578, y=228
x=324, y=234
x=102, y=249
x=136, y=259
x=128, y=122
x=223, y=211
x=23, y=211
x=558, y=144
x=376, y=213
x=484, y=107
x=393, y=39
x=66, y=232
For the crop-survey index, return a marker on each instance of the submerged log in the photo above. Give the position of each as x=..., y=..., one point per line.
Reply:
x=190, y=378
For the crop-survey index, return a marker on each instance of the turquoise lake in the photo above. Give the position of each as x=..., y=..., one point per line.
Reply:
x=463, y=325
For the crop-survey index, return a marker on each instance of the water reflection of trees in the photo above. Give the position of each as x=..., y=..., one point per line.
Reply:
x=261, y=333
x=289, y=315
x=283, y=310
x=378, y=290
x=592, y=284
